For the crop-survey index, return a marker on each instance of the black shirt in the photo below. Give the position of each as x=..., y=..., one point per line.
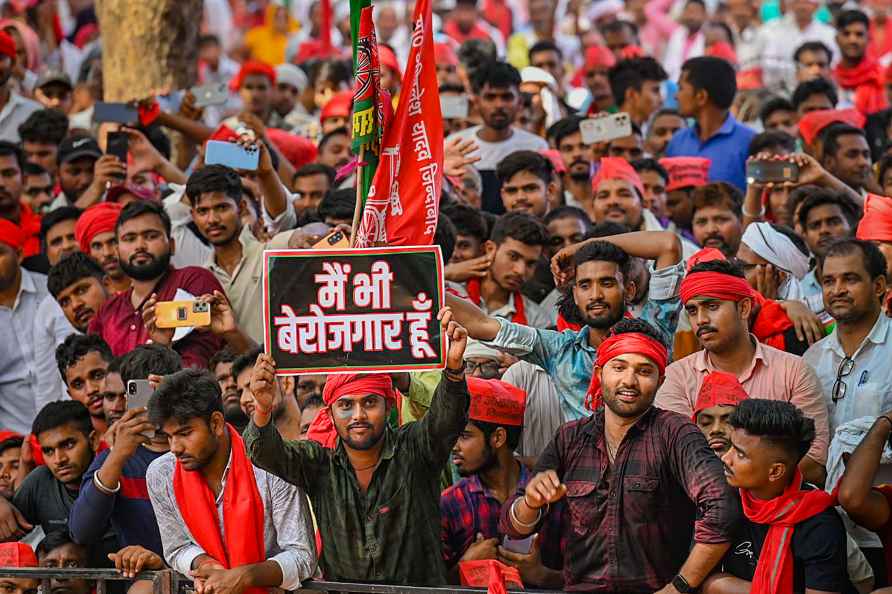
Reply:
x=818, y=546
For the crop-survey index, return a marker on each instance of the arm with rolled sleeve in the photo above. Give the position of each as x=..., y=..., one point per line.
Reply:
x=535, y=345
x=180, y=550
x=808, y=397
x=294, y=533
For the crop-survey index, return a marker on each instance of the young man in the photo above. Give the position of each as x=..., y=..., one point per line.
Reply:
x=706, y=90
x=127, y=319
x=685, y=174
x=858, y=75
x=114, y=486
x=527, y=183
x=37, y=188
x=719, y=303
x=17, y=107
x=824, y=218
x=201, y=489
x=718, y=398
x=792, y=540
x=471, y=232
x=514, y=250
x=114, y=399
x=654, y=179
x=852, y=362
x=221, y=366
x=95, y=233
x=778, y=114
x=58, y=551
x=83, y=361
x=813, y=60
x=497, y=98
x=590, y=460
x=663, y=126
x=67, y=441
x=598, y=61
x=311, y=409
x=18, y=554
x=814, y=95
x=57, y=234
x=334, y=149
x=311, y=183
x=846, y=156
x=286, y=413
x=716, y=215
x=42, y=133
x=484, y=457
x=77, y=283
x=636, y=87
x=577, y=157
x=12, y=208
x=53, y=90
x=82, y=180
x=367, y=461
x=10, y=454
x=601, y=292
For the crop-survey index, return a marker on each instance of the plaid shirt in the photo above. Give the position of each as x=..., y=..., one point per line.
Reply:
x=630, y=525
x=467, y=509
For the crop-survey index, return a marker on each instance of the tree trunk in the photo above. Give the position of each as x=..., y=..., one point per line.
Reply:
x=149, y=47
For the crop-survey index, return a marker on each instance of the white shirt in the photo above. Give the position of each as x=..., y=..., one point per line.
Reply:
x=867, y=386
x=491, y=153
x=779, y=40
x=51, y=328
x=14, y=114
x=679, y=50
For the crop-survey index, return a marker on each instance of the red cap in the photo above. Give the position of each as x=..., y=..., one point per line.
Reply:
x=6, y=434
x=298, y=150
x=443, y=54
x=99, y=218
x=599, y=56
x=11, y=234
x=7, y=45
x=630, y=52
x=719, y=389
x=387, y=58
x=556, y=160
x=114, y=193
x=813, y=122
x=497, y=402
x=724, y=51
x=252, y=67
x=704, y=255
x=339, y=105
x=686, y=172
x=617, y=168
x=17, y=554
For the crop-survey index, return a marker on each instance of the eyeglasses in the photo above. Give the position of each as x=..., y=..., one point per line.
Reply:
x=487, y=370
x=839, y=387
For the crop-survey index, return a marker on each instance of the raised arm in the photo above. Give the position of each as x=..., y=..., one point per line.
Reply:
x=479, y=325
x=864, y=504
x=664, y=247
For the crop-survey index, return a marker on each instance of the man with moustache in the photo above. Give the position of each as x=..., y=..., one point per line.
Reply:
x=83, y=361
x=221, y=366
x=602, y=290
x=12, y=208
x=127, y=319
x=719, y=303
x=285, y=412
x=10, y=455
x=566, y=136
x=631, y=475
x=95, y=233
x=716, y=217
x=77, y=283
x=718, y=397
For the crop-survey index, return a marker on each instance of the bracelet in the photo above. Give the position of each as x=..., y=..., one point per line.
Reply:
x=517, y=521
x=102, y=487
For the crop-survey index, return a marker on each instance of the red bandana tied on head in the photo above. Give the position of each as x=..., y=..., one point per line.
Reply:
x=322, y=429
x=11, y=234
x=242, y=511
x=17, y=554
x=622, y=344
x=813, y=122
x=686, y=172
x=719, y=388
x=7, y=45
x=876, y=224
x=617, y=168
x=774, y=571
x=519, y=317
x=99, y=218
x=714, y=285
x=252, y=67
x=497, y=402
x=338, y=106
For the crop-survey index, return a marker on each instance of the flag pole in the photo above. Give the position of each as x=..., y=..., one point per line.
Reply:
x=357, y=211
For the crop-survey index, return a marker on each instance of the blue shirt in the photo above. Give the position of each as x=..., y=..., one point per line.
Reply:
x=727, y=149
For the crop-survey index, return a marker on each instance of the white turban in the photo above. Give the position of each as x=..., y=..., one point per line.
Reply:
x=777, y=248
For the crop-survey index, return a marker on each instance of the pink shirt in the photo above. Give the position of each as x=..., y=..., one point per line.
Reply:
x=773, y=375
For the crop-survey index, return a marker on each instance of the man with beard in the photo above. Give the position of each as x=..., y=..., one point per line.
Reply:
x=127, y=319
x=311, y=183
x=846, y=156
x=83, y=361
x=852, y=363
x=10, y=454
x=221, y=366
x=715, y=219
x=354, y=461
x=496, y=94
x=824, y=218
x=484, y=457
x=685, y=175
x=11, y=206
x=16, y=108
x=621, y=469
x=719, y=303
x=42, y=133
x=718, y=397
x=602, y=289
x=577, y=157
x=228, y=524
x=95, y=233
x=285, y=412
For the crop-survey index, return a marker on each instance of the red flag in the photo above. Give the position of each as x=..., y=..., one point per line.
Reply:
x=325, y=27
x=404, y=200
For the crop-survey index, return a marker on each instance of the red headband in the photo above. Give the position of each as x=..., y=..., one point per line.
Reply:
x=252, y=67
x=17, y=554
x=715, y=285
x=686, y=172
x=622, y=344
x=719, y=389
x=11, y=234
x=99, y=218
x=7, y=45
x=322, y=429
x=497, y=402
x=617, y=168
x=876, y=224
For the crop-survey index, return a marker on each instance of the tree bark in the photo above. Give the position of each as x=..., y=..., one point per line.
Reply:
x=149, y=47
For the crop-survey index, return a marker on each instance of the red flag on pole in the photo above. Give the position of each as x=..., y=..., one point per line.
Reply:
x=325, y=27
x=404, y=201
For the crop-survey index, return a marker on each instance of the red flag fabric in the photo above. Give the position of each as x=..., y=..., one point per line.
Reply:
x=325, y=27
x=490, y=574
x=403, y=202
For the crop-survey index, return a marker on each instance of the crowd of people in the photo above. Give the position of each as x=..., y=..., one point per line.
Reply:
x=666, y=228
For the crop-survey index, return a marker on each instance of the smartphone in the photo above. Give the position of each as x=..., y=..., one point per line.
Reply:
x=520, y=546
x=231, y=154
x=211, y=94
x=138, y=393
x=454, y=107
x=771, y=171
x=121, y=113
x=116, y=144
x=332, y=241
x=605, y=128
x=182, y=314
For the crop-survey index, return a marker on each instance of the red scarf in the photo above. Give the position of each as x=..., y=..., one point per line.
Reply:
x=519, y=316
x=242, y=511
x=774, y=571
x=771, y=322
x=866, y=79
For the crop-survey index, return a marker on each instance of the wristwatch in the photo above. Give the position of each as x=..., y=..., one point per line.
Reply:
x=681, y=584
